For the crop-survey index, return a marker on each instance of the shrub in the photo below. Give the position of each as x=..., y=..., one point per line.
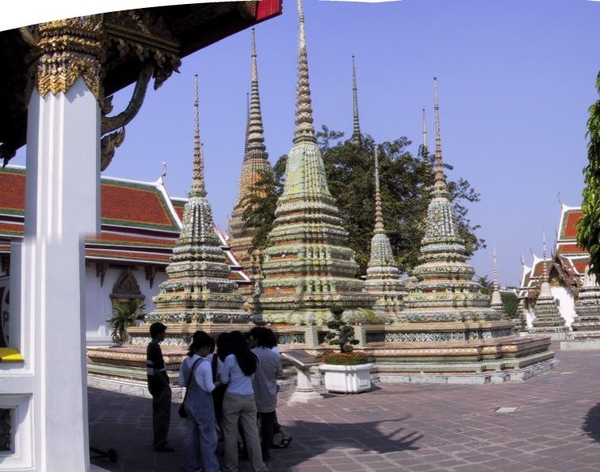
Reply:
x=345, y=358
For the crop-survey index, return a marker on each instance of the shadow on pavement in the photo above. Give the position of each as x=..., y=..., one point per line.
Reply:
x=591, y=426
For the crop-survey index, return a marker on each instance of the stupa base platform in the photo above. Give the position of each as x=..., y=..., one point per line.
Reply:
x=470, y=362
x=582, y=341
x=123, y=369
x=179, y=335
x=559, y=333
x=321, y=315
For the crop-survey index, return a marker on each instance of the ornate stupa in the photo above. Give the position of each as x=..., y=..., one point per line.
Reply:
x=445, y=291
x=308, y=267
x=383, y=275
x=521, y=320
x=356, y=134
x=255, y=164
x=198, y=289
x=547, y=316
x=586, y=323
x=447, y=329
x=496, y=302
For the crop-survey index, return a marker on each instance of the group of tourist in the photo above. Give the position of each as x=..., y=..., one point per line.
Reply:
x=231, y=392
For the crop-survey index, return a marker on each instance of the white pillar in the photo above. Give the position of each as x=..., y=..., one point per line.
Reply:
x=61, y=207
x=305, y=392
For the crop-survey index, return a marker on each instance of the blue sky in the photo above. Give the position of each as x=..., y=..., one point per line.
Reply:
x=515, y=78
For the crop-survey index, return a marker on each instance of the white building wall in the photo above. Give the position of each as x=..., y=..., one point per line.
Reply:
x=98, y=302
x=566, y=303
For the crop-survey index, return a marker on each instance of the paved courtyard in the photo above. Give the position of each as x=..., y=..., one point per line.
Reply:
x=548, y=423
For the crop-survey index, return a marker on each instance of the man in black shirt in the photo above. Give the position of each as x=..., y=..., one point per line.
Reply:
x=158, y=385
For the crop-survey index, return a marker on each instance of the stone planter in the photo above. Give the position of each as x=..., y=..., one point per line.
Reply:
x=347, y=378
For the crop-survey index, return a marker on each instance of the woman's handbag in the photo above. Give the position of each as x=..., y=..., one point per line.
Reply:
x=182, y=411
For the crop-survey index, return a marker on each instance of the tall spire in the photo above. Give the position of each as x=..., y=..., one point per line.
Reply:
x=308, y=266
x=199, y=287
x=356, y=136
x=496, y=302
x=424, y=145
x=254, y=166
x=255, y=140
x=383, y=275
x=496, y=284
x=247, y=124
x=544, y=266
x=443, y=288
x=548, y=318
x=439, y=185
x=198, y=188
x=305, y=130
x=379, y=228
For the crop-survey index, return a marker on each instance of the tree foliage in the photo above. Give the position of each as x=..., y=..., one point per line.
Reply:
x=588, y=228
x=510, y=300
x=405, y=183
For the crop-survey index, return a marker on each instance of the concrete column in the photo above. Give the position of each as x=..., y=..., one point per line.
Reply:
x=61, y=207
x=305, y=392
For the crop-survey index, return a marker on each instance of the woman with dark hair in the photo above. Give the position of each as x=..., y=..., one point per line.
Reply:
x=265, y=385
x=201, y=434
x=238, y=403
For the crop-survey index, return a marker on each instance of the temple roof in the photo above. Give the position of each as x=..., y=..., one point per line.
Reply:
x=183, y=29
x=140, y=222
x=568, y=261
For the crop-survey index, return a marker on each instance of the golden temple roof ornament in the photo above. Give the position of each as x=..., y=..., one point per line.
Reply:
x=65, y=50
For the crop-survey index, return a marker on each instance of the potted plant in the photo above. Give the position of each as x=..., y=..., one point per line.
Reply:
x=125, y=314
x=345, y=370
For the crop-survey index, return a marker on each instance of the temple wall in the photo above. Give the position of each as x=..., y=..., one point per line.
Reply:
x=98, y=306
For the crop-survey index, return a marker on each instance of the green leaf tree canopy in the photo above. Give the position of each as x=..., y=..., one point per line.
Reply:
x=588, y=228
x=405, y=183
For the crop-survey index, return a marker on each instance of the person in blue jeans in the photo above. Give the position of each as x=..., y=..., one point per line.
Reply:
x=201, y=434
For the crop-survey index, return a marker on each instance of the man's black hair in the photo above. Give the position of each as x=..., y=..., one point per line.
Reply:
x=156, y=328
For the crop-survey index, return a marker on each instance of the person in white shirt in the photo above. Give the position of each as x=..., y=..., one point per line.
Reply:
x=201, y=435
x=265, y=385
x=238, y=369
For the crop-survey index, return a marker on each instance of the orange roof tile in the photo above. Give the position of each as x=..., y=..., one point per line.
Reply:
x=569, y=226
x=130, y=210
x=136, y=205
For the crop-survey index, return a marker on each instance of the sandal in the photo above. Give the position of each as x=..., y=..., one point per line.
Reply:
x=285, y=442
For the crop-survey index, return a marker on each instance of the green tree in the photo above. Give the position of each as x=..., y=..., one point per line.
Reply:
x=487, y=287
x=510, y=302
x=124, y=315
x=588, y=228
x=261, y=202
x=405, y=183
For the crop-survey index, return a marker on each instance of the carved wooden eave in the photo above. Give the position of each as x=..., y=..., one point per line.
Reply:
x=161, y=35
x=566, y=274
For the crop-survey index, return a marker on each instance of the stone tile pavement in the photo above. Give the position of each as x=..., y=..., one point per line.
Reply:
x=547, y=423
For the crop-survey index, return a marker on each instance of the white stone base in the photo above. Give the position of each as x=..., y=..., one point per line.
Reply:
x=136, y=389
x=347, y=378
x=580, y=345
x=471, y=379
x=304, y=397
